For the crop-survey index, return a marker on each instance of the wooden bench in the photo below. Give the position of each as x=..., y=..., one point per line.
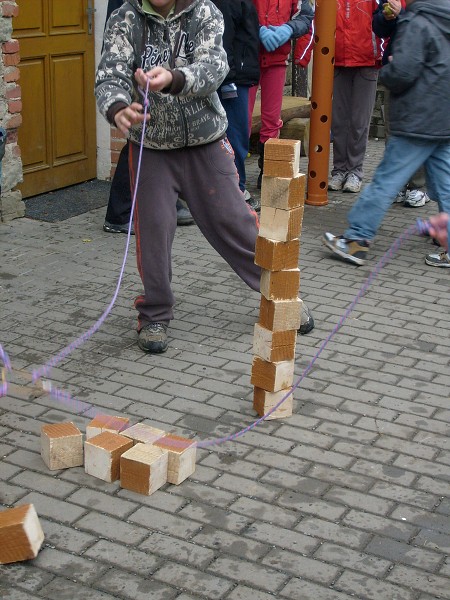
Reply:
x=295, y=111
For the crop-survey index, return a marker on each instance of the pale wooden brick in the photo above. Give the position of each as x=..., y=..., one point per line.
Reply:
x=273, y=255
x=281, y=225
x=101, y=423
x=280, y=315
x=182, y=452
x=274, y=346
x=61, y=445
x=264, y=401
x=283, y=192
x=21, y=534
x=280, y=285
x=141, y=433
x=102, y=455
x=143, y=468
x=271, y=376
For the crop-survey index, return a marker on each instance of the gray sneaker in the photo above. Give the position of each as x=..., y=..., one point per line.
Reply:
x=416, y=198
x=153, y=338
x=352, y=184
x=337, y=181
x=306, y=321
x=441, y=259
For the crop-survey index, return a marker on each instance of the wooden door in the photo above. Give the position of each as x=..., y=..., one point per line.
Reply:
x=57, y=137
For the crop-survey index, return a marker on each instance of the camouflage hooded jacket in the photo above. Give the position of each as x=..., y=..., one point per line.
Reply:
x=189, y=44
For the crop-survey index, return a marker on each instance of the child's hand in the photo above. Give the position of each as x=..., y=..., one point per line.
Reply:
x=391, y=9
x=158, y=79
x=129, y=116
x=439, y=228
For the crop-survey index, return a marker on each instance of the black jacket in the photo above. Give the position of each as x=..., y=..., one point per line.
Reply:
x=241, y=40
x=385, y=29
x=419, y=74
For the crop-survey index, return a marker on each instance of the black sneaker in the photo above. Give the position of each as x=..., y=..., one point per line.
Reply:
x=184, y=216
x=253, y=203
x=153, y=338
x=354, y=251
x=306, y=321
x=117, y=227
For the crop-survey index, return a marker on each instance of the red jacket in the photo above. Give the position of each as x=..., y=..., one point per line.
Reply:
x=356, y=44
x=279, y=12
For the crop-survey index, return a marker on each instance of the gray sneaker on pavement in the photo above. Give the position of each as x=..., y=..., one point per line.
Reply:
x=337, y=181
x=306, y=321
x=440, y=259
x=416, y=198
x=352, y=184
x=153, y=338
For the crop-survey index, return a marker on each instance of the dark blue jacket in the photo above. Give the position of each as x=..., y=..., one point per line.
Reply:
x=240, y=40
x=385, y=29
x=419, y=74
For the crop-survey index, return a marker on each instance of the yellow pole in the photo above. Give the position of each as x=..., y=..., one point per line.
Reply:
x=321, y=102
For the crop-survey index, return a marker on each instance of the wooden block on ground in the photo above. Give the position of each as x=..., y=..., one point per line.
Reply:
x=281, y=225
x=141, y=433
x=143, y=468
x=102, y=455
x=280, y=315
x=276, y=256
x=21, y=534
x=264, y=401
x=272, y=376
x=283, y=192
x=61, y=445
x=282, y=150
x=182, y=452
x=280, y=285
x=102, y=423
x=274, y=346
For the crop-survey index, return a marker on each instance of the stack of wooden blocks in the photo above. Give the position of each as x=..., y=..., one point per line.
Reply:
x=143, y=457
x=277, y=253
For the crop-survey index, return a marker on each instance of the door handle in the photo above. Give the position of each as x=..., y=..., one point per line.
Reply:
x=90, y=14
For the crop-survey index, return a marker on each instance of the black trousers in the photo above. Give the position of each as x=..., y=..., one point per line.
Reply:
x=119, y=203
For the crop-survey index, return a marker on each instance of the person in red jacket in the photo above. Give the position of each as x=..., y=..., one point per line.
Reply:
x=280, y=21
x=357, y=62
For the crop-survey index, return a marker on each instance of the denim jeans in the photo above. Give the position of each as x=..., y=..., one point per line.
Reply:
x=237, y=131
x=402, y=157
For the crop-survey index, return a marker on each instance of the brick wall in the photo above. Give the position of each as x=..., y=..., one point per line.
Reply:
x=11, y=205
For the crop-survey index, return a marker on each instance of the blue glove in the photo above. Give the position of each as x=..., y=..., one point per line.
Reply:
x=265, y=35
x=281, y=34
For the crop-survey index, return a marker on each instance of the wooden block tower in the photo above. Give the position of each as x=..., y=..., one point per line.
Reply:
x=277, y=253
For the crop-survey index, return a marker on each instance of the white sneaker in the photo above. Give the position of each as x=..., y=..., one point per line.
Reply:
x=416, y=198
x=400, y=197
x=337, y=181
x=352, y=184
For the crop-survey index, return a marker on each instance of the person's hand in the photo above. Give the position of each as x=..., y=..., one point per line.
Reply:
x=273, y=37
x=129, y=116
x=158, y=79
x=391, y=9
x=439, y=228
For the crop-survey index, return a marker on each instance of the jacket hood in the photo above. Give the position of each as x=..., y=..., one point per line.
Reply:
x=180, y=5
x=436, y=11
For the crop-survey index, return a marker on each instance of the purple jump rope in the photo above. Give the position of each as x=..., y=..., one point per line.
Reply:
x=421, y=227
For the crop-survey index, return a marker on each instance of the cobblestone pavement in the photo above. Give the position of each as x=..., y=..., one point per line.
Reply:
x=348, y=498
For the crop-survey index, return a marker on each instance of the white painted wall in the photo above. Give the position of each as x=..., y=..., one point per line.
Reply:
x=103, y=129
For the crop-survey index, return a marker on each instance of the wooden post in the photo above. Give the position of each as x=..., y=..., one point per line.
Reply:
x=277, y=253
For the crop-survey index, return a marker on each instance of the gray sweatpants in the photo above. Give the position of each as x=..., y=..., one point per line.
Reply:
x=206, y=178
x=354, y=91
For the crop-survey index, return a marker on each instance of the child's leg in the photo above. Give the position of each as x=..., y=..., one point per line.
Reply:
x=272, y=83
x=155, y=226
x=237, y=131
x=210, y=187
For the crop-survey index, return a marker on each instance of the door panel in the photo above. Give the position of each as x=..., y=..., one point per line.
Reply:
x=57, y=135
